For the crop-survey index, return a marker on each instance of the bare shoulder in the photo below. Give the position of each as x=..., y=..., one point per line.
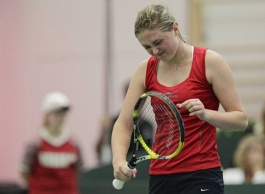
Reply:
x=143, y=64
x=140, y=71
x=213, y=58
x=216, y=65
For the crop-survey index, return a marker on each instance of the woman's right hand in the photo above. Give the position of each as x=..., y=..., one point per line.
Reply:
x=121, y=171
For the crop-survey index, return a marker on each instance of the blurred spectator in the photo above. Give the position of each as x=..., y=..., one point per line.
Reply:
x=51, y=162
x=103, y=146
x=259, y=127
x=249, y=159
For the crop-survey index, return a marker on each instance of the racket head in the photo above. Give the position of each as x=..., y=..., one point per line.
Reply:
x=158, y=126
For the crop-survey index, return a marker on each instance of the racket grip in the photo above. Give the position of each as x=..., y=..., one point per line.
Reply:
x=118, y=184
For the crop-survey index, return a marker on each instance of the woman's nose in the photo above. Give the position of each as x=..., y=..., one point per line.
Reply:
x=155, y=50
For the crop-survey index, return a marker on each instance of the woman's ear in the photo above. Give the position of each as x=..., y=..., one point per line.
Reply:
x=176, y=28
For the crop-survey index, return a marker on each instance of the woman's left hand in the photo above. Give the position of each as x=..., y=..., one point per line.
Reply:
x=195, y=107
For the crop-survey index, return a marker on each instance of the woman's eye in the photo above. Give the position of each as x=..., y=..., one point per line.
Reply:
x=147, y=47
x=157, y=43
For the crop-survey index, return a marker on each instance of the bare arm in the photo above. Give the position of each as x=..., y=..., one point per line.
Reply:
x=219, y=75
x=122, y=130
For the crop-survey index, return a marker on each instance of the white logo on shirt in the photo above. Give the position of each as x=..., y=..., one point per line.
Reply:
x=56, y=160
x=172, y=94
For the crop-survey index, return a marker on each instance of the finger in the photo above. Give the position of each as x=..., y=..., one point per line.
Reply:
x=123, y=177
x=199, y=114
x=195, y=108
x=122, y=173
x=188, y=103
x=126, y=173
x=134, y=173
x=183, y=104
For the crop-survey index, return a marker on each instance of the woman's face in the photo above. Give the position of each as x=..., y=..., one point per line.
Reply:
x=160, y=44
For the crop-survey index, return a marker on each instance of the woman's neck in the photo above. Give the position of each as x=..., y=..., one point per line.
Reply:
x=183, y=54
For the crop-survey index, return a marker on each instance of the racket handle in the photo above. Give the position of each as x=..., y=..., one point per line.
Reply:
x=118, y=184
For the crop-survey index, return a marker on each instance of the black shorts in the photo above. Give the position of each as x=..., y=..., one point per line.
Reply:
x=208, y=181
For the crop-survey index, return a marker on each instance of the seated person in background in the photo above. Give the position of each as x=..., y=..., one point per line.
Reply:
x=259, y=127
x=103, y=149
x=249, y=159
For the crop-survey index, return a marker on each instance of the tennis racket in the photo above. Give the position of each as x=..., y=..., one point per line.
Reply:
x=158, y=127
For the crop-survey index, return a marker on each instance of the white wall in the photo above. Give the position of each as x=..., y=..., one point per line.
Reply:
x=236, y=30
x=47, y=46
x=61, y=45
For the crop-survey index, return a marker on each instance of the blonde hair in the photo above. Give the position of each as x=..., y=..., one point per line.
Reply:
x=154, y=17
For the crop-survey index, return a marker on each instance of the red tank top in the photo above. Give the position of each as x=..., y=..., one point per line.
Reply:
x=200, y=149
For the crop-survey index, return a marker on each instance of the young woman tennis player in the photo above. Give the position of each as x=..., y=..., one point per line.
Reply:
x=197, y=80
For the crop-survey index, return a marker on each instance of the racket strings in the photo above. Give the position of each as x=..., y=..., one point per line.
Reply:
x=167, y=137
x=158, y=126
x=173, y=133
x=146, y=121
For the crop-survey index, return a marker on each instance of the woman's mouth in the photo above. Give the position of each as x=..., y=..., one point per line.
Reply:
x=160, y=54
